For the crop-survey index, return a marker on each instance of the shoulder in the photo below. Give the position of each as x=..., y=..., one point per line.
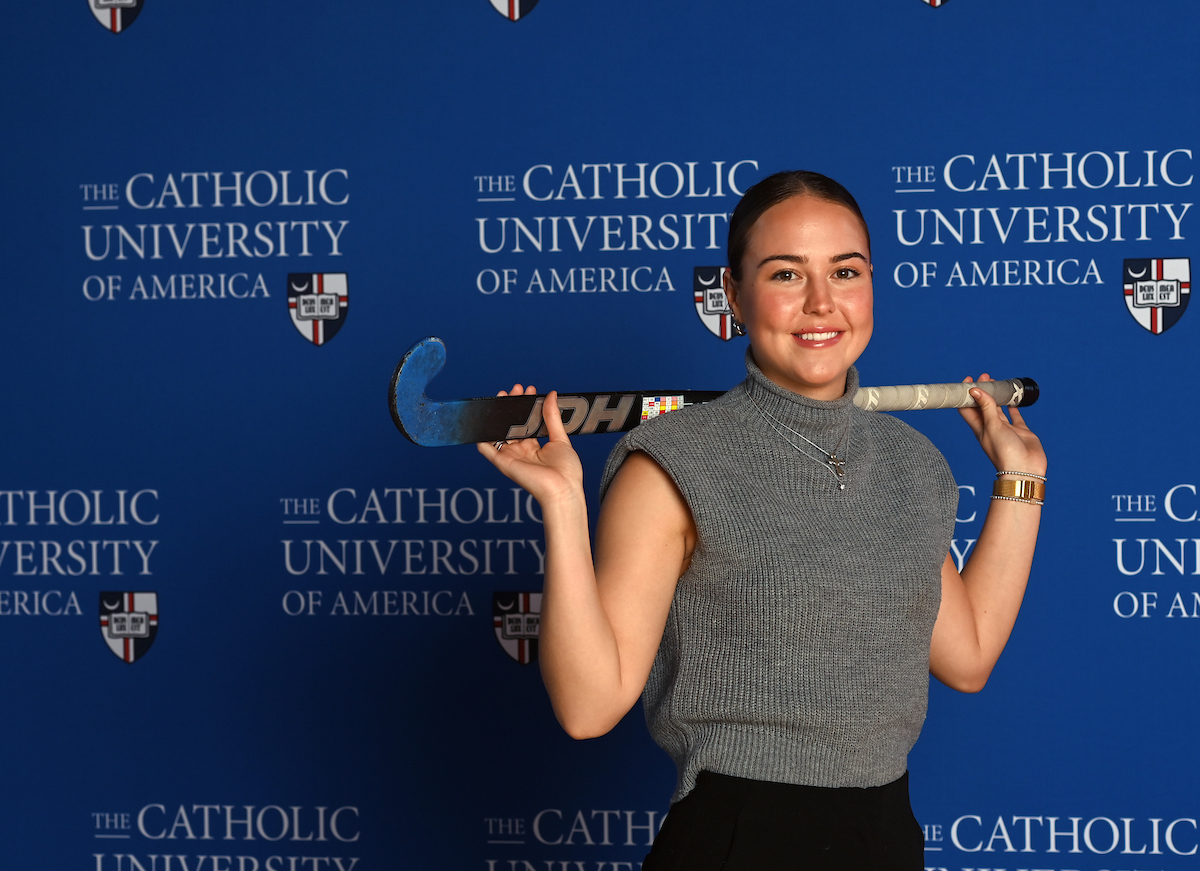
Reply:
x=675, y=437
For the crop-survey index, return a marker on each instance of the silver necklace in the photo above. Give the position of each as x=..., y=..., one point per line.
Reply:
x=831, y=461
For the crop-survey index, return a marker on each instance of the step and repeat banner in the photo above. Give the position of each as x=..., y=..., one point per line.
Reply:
x=247, y=626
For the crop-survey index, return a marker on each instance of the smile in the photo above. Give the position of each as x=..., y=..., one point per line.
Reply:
x=817, y=337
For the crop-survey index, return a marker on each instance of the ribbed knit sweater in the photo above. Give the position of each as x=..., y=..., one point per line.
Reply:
x=797, y=645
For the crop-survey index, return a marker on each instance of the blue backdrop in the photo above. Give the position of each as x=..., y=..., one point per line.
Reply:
x=248, y=626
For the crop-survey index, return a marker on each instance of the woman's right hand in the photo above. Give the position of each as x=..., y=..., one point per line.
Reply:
x=548, y=471
x=602, y=619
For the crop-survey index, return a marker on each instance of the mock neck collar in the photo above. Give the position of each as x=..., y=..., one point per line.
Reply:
x=797, y=410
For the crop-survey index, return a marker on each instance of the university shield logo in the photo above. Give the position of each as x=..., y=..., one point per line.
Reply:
x=936, y=3
x=317, y=302
x=514, y=10
x=115, y=15
x=129, y=623
x=515, y=617
x=1157, y=291
x=711, y=305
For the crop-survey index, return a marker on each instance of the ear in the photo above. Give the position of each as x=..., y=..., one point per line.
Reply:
x=731, y=292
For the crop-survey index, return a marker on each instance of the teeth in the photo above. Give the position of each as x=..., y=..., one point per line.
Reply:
x=817, y=337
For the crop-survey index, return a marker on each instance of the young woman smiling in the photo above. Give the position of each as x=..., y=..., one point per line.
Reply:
x=771, y=571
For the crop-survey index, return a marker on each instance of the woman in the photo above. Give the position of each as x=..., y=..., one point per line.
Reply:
x=772, y=569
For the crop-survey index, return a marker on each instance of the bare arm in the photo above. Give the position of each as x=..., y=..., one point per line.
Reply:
x=979, y=607
x=602, y=618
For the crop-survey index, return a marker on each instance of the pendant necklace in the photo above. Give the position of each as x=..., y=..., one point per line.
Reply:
x=831, y=461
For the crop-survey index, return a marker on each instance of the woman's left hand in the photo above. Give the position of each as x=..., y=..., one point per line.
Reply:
x=1010, y=445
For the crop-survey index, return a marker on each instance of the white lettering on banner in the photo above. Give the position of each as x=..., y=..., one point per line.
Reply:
x=1037, y=225
x=211, y=241
x=466, y=505
x=1144, y=603
x=510, y=828
x=206, y=822
x=77, y=557
x=259, y=188
x=1141, y=503
x=579, y=279
x=605, y=232
x=1100, y=835
x=553, y=827
x=970, y=488
x=400, y=603
x=108, y=192
x=78, y=507
x=597, y=181
x=1094, y=170
x=960, y=554
x=168, y=240
x=379, y=603
x=410, y=556
x=1181, y=554
x=39, y=603
x=228, y=862
x=999, y=273
x=1152, y=556
x=557, y=234
x=177, y=286
x=1169, y=503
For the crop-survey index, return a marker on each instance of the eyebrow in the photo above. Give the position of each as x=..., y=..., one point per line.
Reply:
x=801, y=259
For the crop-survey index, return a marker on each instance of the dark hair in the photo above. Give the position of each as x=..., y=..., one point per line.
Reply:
x=772, y=191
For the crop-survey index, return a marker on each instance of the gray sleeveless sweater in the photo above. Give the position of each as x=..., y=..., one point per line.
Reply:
x=797, y=645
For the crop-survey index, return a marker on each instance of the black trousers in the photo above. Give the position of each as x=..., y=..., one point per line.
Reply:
x=734, y=824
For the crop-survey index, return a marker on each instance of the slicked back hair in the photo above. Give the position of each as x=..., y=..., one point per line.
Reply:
x=772, y=191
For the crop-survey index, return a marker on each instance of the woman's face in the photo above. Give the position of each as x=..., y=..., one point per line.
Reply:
x=805, y=294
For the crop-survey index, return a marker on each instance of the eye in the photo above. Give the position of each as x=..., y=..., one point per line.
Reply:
x=784, y=275
x=846, y=273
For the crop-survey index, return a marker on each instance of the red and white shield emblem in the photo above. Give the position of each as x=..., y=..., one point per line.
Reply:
x=115, y=15
x=514, y=10
x=711, y=305
x=129, y=623
x=935, y=3
x=516, y=618
x=1157, y=291
x=317, y=302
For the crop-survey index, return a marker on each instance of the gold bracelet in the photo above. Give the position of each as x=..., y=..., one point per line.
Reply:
x=1022, y=491
x=1021, y=474
x=1015, y=499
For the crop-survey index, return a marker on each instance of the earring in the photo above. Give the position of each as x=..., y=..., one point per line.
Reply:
x=739, y=329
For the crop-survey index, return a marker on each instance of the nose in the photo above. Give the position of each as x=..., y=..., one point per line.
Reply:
x=819, y=299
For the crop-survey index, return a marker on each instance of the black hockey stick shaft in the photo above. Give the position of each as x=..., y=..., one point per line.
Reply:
x=431, y=423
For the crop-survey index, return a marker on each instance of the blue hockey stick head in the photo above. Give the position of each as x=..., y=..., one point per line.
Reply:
x=413, y=412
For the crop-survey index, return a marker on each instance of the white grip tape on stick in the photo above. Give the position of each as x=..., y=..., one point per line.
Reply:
x=912, y=397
